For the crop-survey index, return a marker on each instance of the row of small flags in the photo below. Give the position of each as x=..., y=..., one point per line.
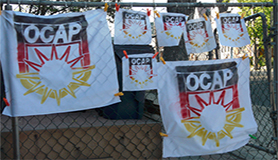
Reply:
x=134, y=28
x=200, y=102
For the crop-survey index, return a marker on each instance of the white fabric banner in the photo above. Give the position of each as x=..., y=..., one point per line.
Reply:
x=205, y=106
x=132, y=27
x=199, y=36
x=169, y=28
x=57, y=63
x=139, y=72
x=232, y=30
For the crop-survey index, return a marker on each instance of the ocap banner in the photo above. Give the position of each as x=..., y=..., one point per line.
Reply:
x=205, y=106
x=139, y=72
x=232, y=30
x=199, y=36
x=132, y=27
x=57, y=63
x=169, y=28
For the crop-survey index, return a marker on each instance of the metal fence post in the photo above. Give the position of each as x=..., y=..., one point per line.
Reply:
x=15, y=138
x=15, y=129
x=275, y=17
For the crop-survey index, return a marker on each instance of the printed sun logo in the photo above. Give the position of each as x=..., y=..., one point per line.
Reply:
x=171, y=34
x=198, y=38
x=55, y=77
x=175, y=28
x=132, y=27
x=214, y=120
x=141, y=80
x=232, y=32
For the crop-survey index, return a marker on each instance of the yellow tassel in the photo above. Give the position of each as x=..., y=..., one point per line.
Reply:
x=106, y=7
x=119, y=94
x=244, y=57
x=162, y=60
x=205, y=16
x=163, y=134
x=157, y=14
x=217, y=15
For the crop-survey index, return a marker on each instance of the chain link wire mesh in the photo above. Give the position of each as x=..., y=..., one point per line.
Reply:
x=130, y=129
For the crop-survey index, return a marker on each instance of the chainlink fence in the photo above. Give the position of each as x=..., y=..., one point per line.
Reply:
x=130, y=129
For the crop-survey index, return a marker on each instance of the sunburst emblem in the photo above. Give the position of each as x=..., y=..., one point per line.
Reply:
x=169, y=26
x=214, y=119
x=233, y=32
x=55, y=77
x=142, y=70
x=171, y=34
x=198, y=38
x=131, y=29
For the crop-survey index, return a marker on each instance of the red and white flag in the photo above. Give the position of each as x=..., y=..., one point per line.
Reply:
x=198, y=36
x=205, y=106
x=139, y=72
x=169, y=28
x=132, y=27
x=232, y=30
x=58, y=63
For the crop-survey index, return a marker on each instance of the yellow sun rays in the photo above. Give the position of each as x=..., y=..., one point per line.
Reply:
x=199, y=43
x=143, y=82
x=232, y=120
x=132, y=23
x=46, y=92
x=33, y=83
x=169, y=34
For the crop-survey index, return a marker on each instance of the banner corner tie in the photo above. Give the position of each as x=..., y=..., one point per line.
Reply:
x=6, y=102
x=244, y=57
x=126, y=56
x=163, y=134
x=162, y=59
x=119, y=94
x=157, y=14
x=253, y=137
x=106, y=7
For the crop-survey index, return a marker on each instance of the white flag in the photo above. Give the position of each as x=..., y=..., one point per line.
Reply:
x=205, y=106
x=132, y=27
x=199, y=36
x=57, y=63
x=169, y=28
x=232, y=30
x=139, y=72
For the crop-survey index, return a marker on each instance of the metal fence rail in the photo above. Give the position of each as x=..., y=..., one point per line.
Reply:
x=105, y=133
x=131, y=4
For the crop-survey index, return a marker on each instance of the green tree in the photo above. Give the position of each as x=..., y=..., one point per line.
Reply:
x=255, y=31
x=255, y=28
x=68, y=7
